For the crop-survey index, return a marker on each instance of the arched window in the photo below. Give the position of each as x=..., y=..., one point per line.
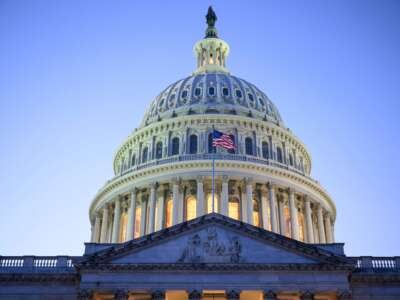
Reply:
x=193, y=144
x=249, y=146
x=291, y=159
x=234, y=208
x=175, y=146
x=159, y=150
x=145, y=153
x=168, y=212
x=279, y=156
x=190, y=208
x=211, y=149
x=265, y=150
x=256, y=213
x=210, y=203
x=133, y=160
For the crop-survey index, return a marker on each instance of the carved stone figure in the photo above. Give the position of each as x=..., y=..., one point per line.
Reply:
x=192, y=252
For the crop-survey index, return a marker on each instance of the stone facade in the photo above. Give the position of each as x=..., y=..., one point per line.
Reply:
x=168, y=227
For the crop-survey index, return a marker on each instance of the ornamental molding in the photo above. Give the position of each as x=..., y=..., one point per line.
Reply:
x=23, y=278
x=182, y=122
x=381, y=278
x=130, y=177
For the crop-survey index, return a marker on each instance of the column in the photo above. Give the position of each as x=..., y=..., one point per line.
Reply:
x=307, y=296
x=269, y=295
x=104, y=225
x=249, y=200
x=294, y=222
x=131, y=216
x=152, y=208
x=194, y=295
x=96, y=234
x=200, y=197
x=225, y=196
x=282, y=225
x=158, y=295
x=264, y=208
x=121, y=295
x=272, y=207
x=321, y=229
x=143, y=216
x=175, y=201
x=308, y=217
x=117, y=217
x=328, y=228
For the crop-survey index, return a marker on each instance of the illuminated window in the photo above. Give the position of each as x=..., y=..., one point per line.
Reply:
x=301, y=226
x=279, y=154
x=256, y=213
x=286, y=215
x=122, y=227
x=210, y=203
x=190, y=208
x=168, y=212
x=159, y=150
x=175, y=146
x=234, y=208
x=138, y=217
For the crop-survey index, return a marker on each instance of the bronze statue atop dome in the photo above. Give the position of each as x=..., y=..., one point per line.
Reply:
x=211, y=18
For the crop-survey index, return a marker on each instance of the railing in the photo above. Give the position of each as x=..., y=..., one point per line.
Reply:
x=217, y=156
x=36, y=263
x=376, y=264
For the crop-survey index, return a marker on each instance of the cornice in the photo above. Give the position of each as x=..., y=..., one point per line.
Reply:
x=212, y=119
x=39, y=277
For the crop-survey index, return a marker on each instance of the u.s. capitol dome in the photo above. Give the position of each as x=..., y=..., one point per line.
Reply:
x=163, y=170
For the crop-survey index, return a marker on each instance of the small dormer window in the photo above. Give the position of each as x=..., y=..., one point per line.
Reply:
x=211, y=91
x=261, y=101
x=238, y=93
x=184, y=94
x=197, y=92
x=225, y=91
x=251, y=98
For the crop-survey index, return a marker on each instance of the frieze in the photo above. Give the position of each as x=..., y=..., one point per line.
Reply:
x=212, y=249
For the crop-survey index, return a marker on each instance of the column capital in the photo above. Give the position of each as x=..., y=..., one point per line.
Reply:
x=158, y=295
x=121, y=295
x=248, y=180
x=271, y=185
x=225, y=178
x=291, y=191
x=134, y=190
x=345, y=295
x=233, y=295
x=194, y=295
x=154, y=185
x=269, y=295
x=176, y=180
x=307, y=295
x=200, y=179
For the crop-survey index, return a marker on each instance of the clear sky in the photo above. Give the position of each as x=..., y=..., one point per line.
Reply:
x=77, y=76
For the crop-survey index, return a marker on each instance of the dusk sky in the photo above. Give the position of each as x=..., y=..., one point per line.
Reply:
x=77, y=76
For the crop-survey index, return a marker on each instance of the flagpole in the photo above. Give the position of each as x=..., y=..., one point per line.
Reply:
x=213, y=171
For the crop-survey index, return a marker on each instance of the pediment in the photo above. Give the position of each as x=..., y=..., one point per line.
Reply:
x=213, y=239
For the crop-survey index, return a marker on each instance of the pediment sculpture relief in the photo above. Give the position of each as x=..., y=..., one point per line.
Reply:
x=212, y=248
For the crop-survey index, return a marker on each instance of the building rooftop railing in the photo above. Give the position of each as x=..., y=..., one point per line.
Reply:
x=21, y=264
x=37, y=263
x=373, y=264
x=217, y=156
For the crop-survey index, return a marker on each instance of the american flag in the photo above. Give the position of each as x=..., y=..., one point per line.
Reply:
x=223, y=140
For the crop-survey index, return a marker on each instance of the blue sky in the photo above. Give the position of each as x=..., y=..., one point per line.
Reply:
x=77, y=76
